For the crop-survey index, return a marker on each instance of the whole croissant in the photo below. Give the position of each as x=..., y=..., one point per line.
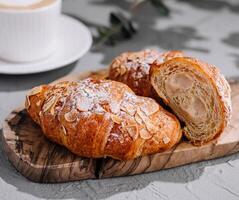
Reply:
x=99, y=118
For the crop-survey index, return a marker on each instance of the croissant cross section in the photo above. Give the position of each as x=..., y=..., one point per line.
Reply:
x=197, y=93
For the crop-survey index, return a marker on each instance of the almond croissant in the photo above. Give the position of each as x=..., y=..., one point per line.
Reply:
x=99, y=118
x=197, y=93
x=132, y=68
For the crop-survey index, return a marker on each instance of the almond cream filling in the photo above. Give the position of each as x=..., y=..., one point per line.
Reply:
x=178, y=85
x=192, y=98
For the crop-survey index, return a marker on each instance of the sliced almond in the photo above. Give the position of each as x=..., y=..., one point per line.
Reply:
x=116, y=119
x=147, y=121
x=65, y=92
x=139, y=112
x=123, y=70
x=40, y=114
x=49, y=103
x=35, y=90
x=116, y=70
x=133, y=131
x=133, y=56
x=129, y=108
x=63, y=130
x=62, y=84
x=155, y=140
x=144, y=134
x=150, y=126
x=166, y=139
x=38, y=103
x=142, y=115
x=114, y=106
x=41, y=121
x=88, y=91
x=27, y=102
x=71, y=116
x=154, y=108
x=52, y=111
x=116, y=63
x=123, y=109
x=138, y=119
x=150, y=109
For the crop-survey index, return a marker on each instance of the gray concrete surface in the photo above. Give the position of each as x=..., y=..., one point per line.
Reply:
x=207, y=29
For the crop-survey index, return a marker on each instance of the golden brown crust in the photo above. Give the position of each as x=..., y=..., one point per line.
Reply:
x=132, y=68
x=212, y=77
x=98, y=118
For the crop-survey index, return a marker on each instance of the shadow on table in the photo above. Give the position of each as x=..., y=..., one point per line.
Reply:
x=23, y=82
x=180, y=37
x=101, y=189
x=236, y=57
x=214, y=5
x=173, y=37
x=232, y=40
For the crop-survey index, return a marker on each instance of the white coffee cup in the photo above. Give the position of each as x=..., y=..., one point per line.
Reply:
x=29, y=34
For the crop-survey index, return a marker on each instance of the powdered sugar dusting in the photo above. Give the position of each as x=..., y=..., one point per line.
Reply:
x=109, y=98
x=100, y=109
x=133, y=68
x=141, y=61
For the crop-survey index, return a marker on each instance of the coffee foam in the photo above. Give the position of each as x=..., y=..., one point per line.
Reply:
x=19, y=2
x=24, y=4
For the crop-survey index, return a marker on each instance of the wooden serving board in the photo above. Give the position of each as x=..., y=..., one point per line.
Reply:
x=40, y=160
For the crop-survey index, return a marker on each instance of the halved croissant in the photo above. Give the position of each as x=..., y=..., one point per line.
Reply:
x=132, y=68
x=98, y=118
x=197, y=93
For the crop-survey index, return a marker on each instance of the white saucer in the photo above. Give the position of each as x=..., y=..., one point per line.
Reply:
x=74, y=41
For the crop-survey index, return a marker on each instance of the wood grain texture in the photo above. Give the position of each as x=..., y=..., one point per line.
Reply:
x=40, y=160
x=36, y=157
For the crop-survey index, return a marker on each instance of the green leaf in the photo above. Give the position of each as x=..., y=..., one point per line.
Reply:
x=127, y=27
x=120, y=29
x=161, y=7
x=102, y=31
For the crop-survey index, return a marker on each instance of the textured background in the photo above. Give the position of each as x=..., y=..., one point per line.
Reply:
x=207, y=29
